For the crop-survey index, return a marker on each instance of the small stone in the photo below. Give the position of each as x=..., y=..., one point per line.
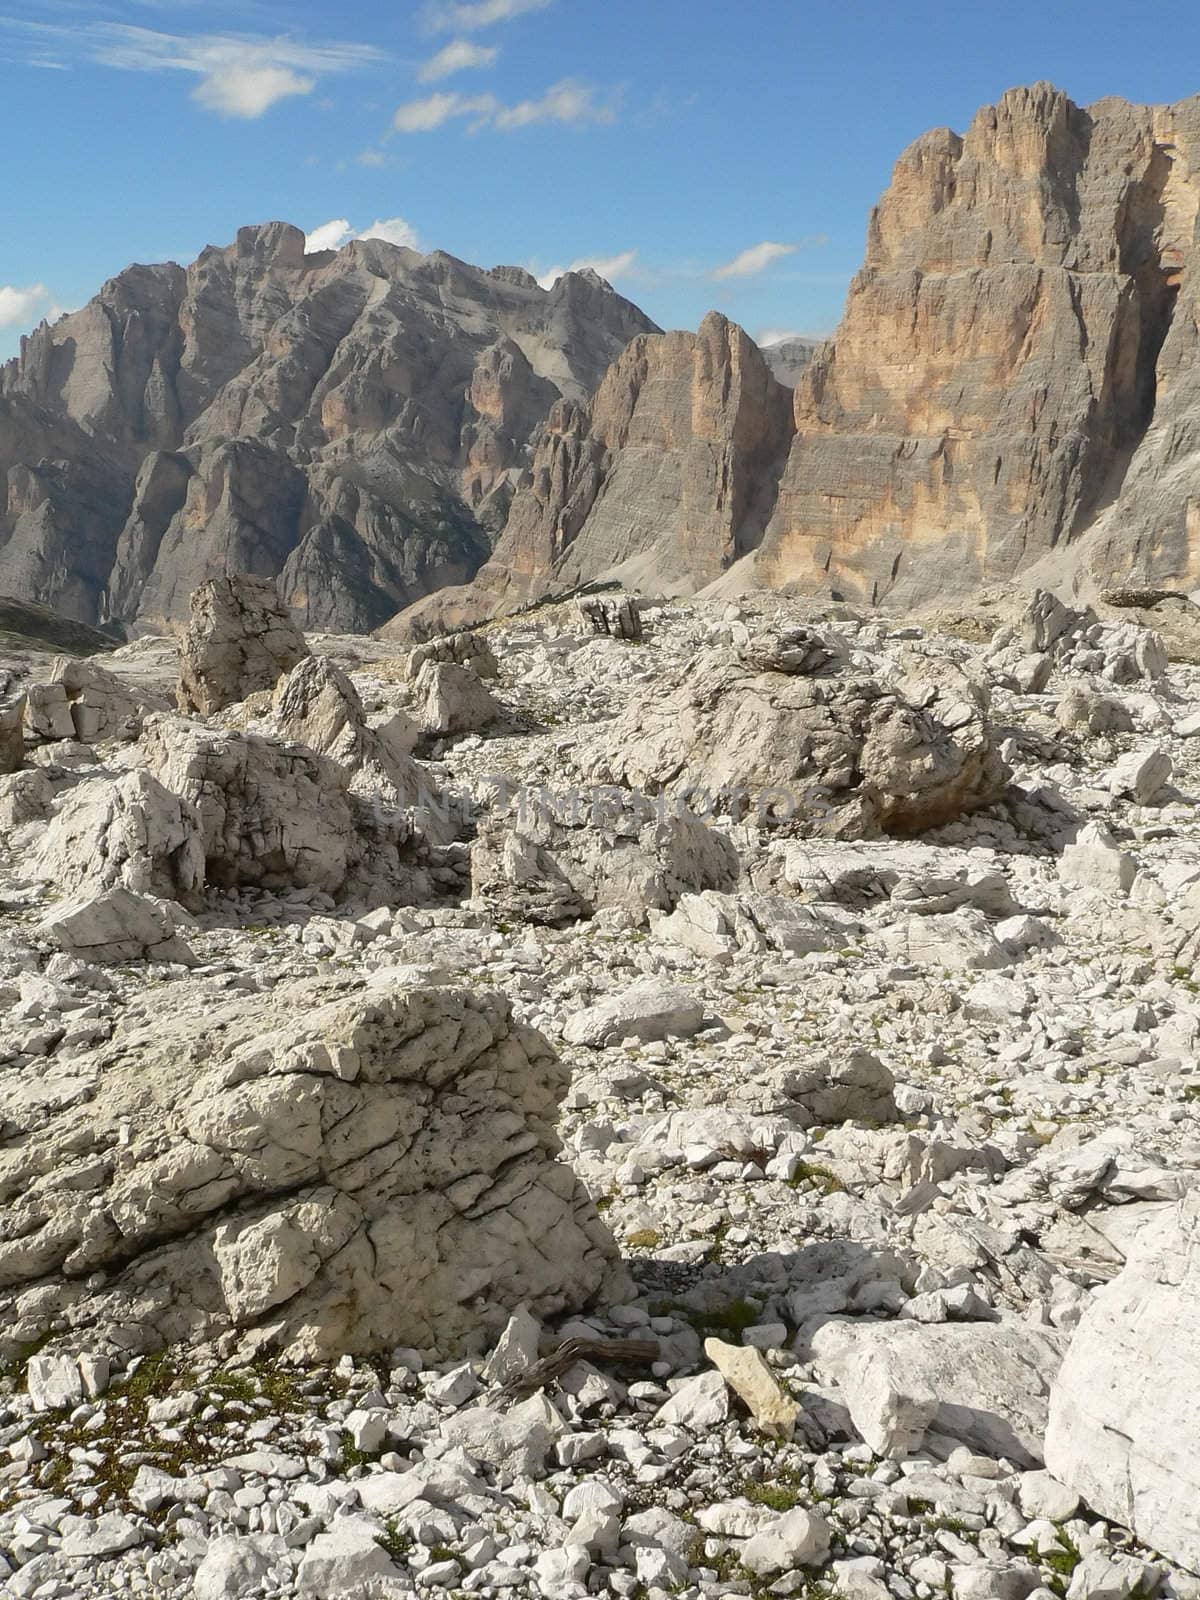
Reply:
x=795, y=1539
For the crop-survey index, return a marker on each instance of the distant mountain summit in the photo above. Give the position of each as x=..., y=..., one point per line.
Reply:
x=353, y=421
x=787, y=358
x=1014, y=390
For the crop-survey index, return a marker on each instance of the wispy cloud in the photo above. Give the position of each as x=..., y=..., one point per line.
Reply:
x=610, y=267
x=241, y=74
x=568, y=102
x=435, y=110
x=460, y=55
x=754, y=260
x=465, y=16
x=333, y=235
x=20, y=307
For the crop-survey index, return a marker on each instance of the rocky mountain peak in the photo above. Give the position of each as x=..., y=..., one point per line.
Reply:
x=1012, y=389
x=276, y=244
x=350, y=422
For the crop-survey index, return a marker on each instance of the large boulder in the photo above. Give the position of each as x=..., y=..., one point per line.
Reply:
x=335, y=1167
x=276, y=816
x=317, y=705
x=840, y=750
x=208, y=808
x=552, y=858
x=131, y=832
x=82, y=700
x=1125, y=1407
x=240, y=638
x=468, y=649
x=452, y=699
x=1052, y=634
x=982, y=1385
x=116, y=926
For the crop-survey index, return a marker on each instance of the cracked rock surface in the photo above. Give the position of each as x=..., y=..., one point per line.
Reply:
x=517, y=1198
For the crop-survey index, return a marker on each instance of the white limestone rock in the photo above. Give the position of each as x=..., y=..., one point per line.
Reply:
x=553, y=859
x=796, y=1538
x=991, y=1381
x=133, y=832
x=83, y=700
x=239, y=639
x=234, y=1566
x=275, y=816
x=333, y=1167
x=317, y=705
x=469, y=649
x=846, y=751
x=1141, y=775
x=344, y=1562
x=1095, y=861
x=451, y=699
x=115, y=927
x=1125, y=1408
x=648, y=1010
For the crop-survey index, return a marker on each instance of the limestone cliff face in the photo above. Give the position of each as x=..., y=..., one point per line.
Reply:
x=666, y=479
x=1014, y=356
x=1015, y=385
x=351, y=422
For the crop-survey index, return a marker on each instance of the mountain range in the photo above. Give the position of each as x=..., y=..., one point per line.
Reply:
x=1013, y=393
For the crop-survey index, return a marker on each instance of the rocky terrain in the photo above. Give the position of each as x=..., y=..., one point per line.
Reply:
x=697, y=1099
x=352, y=422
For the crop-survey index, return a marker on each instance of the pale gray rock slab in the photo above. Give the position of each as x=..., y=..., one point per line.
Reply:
x=116, y=927
x=452, y=699
x=648, y=1010
x=1123, y=1410
x=991, y=1381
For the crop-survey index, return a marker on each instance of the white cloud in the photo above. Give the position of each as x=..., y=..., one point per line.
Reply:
x=756, y=259
x=243, y=91
x=423, y=116
x=458, y=56
x=333, y=235
x=392, y=230
x=770, y=336
x=464, y=16
x=569, y=101
x=20, y=307
x=329, y=236
x=610, y=267
x=241, y=75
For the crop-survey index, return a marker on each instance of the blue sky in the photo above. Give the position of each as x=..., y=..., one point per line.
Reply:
x=704, y=153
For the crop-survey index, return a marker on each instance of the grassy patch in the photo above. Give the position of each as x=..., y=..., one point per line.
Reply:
x=812, y=1172
x=1060, y=1562
x=397, y=1543
x=644, y=1239
x=783, y=1492
x=734, y=1318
